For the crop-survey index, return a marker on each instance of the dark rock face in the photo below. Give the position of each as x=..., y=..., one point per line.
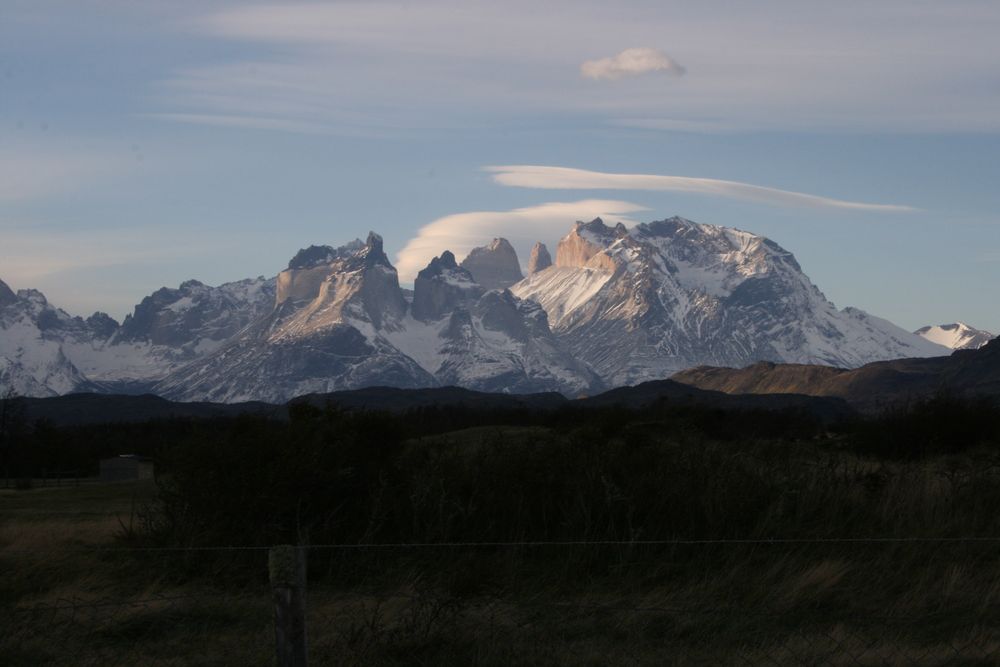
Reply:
x=540, y=259
x=494, y=266
x=502, y=311
x=442, y=287
x=7, y=295
x=102, y=325
x=315, y=255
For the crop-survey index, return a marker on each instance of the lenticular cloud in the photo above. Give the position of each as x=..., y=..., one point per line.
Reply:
x=567, y=178
x=462, y=232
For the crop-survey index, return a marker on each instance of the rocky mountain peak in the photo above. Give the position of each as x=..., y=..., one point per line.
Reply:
x=7, y=295
x=191, y=314
x=33, y=298
x=374, y=253
x=372, y=246
x=442, y=287
x=586, y=243
x=354, y=282
x=501, y=311
x=312, y=256
x=102, y=325
x=638, y=303
x=310, y=266
x=444, y=265
x=713, y=259
x=494, y=266
x=540, y=259
x=317, y=255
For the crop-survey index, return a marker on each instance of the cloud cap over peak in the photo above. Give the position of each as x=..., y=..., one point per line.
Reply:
x=631, y=62
x=567, y=178
x=523, y=227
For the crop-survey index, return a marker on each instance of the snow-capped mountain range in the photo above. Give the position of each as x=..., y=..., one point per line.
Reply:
x=617, y=306
x=643, y=303
x=956, y=336
x=44, y=351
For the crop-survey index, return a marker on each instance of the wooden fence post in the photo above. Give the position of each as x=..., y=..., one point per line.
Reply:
x=287, y=569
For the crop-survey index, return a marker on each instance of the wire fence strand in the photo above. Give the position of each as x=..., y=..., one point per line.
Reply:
x=762, y=541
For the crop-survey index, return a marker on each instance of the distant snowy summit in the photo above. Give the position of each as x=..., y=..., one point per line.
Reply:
x=617, y=306
x=957, y=336
x=45, y=351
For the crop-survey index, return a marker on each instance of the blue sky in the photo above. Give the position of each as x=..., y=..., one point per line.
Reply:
x=142, y=144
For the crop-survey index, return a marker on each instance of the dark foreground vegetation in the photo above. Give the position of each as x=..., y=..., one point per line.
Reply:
x=663, y=535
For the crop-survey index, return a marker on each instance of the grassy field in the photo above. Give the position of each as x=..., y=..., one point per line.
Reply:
x=48, y=538
x=73, y=601
x=77, y=587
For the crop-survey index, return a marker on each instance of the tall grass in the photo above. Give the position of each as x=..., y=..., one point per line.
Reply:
x=328, y=478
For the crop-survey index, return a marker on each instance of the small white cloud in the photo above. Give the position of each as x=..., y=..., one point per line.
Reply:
x=462, y=232
x=631, y=62
x=565, y=178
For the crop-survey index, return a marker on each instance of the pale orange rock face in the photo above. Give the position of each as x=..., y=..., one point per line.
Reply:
x=540, y=259
x=494, y=266
x=301, y=284
x=576, y=251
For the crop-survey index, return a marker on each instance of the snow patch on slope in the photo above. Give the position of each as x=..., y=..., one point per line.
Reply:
x=561, y=289
x=421, y=341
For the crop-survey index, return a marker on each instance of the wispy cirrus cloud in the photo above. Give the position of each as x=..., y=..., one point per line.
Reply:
x=462, y=232
x=566, y=178
x=631, y=62
x=245, y=121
